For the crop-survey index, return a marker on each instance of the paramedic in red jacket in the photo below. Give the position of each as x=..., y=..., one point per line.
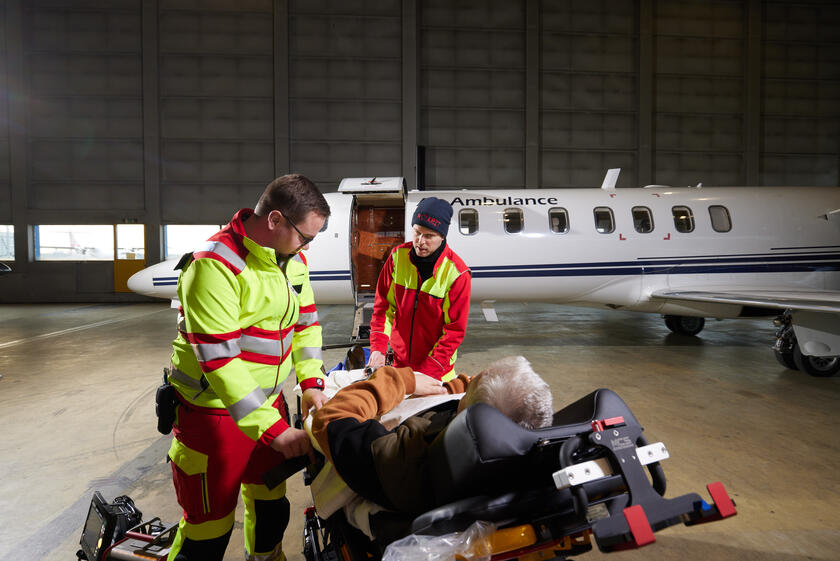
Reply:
x=422, y=298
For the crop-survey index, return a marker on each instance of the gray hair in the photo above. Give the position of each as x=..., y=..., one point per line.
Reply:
x=511, y=386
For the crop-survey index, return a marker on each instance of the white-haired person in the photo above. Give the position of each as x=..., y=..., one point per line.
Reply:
x=389, y=467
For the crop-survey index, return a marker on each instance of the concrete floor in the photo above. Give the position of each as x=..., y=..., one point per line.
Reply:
x=77, y=414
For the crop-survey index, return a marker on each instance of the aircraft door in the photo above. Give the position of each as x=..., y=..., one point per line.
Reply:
x=376, y=228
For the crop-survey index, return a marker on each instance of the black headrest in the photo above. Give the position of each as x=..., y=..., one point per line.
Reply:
x=483, y=452
x=600, y=404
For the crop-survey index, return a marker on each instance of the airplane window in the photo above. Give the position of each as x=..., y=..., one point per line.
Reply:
x=468, y=221
x=642, y=219
x=721, y=220
x=604, y=222
x=85, y=242
x=7, y=241
x=558, y=220
x=683, y=219
x=514, y=220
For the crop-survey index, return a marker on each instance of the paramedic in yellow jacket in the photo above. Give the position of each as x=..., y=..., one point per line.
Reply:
x=247, y=319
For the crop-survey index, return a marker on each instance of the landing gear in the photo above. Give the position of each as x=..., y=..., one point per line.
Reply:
x=789, y=355
x=685, y=325
x=819, y=366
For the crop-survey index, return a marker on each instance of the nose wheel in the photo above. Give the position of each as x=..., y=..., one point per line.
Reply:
x=685, y=325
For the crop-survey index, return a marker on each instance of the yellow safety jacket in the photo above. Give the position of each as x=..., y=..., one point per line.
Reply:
x=241, y=326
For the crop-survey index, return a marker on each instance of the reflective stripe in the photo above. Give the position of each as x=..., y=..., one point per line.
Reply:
x=247, y=405
x=287, y=340
x=213, y=351
x=186, y=379
x=261, y=345
x=306, y=353
x=272, y=391
x=308, y=319
x=226, y=253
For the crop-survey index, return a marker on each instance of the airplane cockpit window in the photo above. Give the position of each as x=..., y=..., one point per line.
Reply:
x=514, y=220
x=721, y=221
x=558, y=220
x=468, y=221
x=642, y=219
x=683, y=219
x=604, y=220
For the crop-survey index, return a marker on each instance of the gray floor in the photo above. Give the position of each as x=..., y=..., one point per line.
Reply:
x=78, y=382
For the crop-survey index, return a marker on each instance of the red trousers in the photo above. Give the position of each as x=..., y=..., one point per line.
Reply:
x=211, y=460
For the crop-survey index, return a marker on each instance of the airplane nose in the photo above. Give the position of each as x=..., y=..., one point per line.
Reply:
x=136, y=282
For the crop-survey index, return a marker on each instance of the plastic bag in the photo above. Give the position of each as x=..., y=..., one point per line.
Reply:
x=473, y=544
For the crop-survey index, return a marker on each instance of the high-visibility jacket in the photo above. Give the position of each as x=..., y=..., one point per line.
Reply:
x=425, y=324
x=241, y=325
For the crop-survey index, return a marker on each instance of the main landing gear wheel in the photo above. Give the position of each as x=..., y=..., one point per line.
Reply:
x=785, y=359
x=685, y=325
x=819, y=366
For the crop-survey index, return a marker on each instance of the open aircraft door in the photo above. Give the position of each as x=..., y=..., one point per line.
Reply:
x=377, y=217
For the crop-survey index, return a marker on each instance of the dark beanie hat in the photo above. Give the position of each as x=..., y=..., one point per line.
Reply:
x=433, y=213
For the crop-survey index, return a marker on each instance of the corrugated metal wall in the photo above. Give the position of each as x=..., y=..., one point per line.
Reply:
x=180, y=111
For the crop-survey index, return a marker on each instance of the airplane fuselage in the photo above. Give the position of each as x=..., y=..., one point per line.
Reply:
x=775, y=238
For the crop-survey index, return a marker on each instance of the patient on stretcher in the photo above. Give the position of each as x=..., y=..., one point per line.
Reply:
x=391, y=467
x=491, y=448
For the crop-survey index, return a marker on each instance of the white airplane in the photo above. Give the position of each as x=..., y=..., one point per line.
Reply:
x=687, y=253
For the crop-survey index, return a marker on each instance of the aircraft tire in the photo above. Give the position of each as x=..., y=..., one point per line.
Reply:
x=818, y=366
x=685, y=325
x=786, y=359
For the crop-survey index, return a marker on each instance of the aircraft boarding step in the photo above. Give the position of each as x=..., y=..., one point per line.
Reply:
x=361, y=321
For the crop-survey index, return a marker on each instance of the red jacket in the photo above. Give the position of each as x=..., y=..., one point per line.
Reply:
x=431, y=320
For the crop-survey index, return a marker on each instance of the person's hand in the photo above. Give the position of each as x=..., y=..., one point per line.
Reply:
x=293, y=442
x=312, y=397
x=426, y=385
x=376, y=360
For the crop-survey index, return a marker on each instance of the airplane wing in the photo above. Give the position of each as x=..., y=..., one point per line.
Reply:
x=782, y=298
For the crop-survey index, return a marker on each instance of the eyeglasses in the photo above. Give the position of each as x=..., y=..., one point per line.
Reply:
x=304, y=238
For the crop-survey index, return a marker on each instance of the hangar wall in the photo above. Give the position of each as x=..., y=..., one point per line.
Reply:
x=180, y=111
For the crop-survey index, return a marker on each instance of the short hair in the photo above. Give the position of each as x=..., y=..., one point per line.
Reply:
x=511, y=386
x=295, y=196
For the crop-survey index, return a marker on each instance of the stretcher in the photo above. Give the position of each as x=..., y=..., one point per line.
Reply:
x=551, y=493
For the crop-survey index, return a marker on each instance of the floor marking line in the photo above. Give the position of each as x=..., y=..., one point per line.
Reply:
x=73, y=329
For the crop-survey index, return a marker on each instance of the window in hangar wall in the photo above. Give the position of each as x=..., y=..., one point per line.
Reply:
x=7, y=242
x=89, y=242
x=64, y=242
x=131, y=243
x=183, y=238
